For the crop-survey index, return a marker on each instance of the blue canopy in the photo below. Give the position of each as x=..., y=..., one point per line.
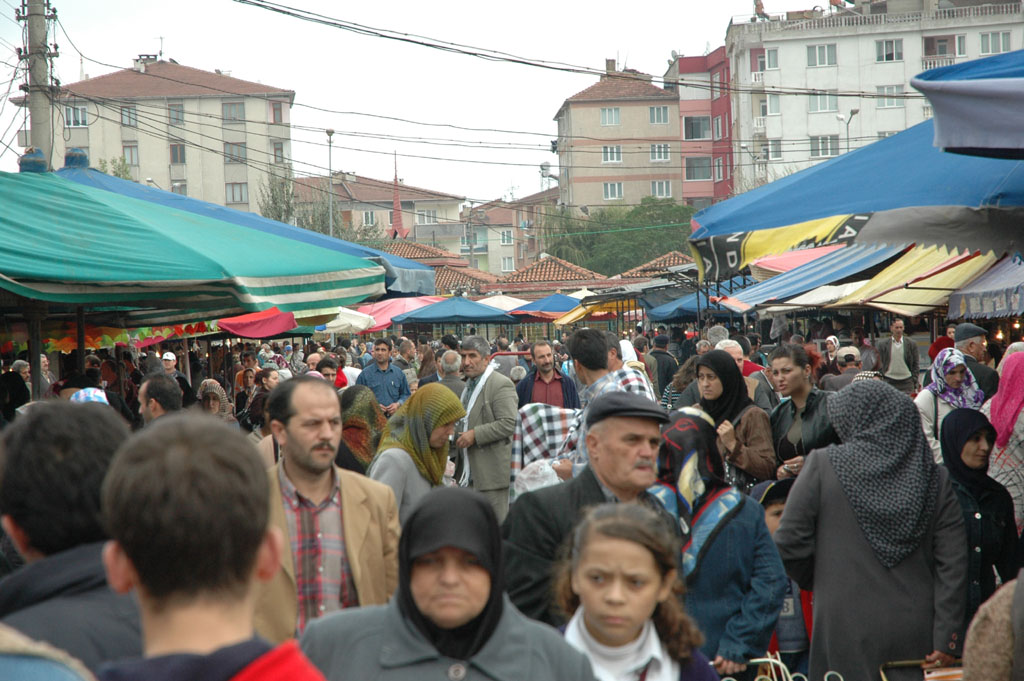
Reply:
x=978, y=104
x=997, y=293
x=453, y=311
x=556, y=302
x=898, y=190
x=401, y=275
x=831, y=268
x=686, y=307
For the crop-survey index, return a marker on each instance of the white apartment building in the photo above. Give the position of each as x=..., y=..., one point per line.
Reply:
x=808, y=86
x=199, y=133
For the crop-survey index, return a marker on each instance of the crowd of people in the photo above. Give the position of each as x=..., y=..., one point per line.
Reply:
x=665, y=504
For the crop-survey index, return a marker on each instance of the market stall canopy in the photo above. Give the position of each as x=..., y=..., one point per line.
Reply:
x=921, y=280
x=774, y=265
x=832, y=268
x=546, y=309
x=687, y=307
x=401, y=275
x=94, y=247
x=455, y=310
x=979, y=104
x=263, y=324
x=383, y=310
x=997, y=293
x=598, y=311
x=899, y=191
x=349, y=321
x=502, y=302
x=815, y=298
x=581, y=294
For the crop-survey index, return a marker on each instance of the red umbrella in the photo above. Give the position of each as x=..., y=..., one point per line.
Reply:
x=259, y=324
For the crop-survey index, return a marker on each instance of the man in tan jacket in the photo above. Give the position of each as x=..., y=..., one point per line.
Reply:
x=340, y=528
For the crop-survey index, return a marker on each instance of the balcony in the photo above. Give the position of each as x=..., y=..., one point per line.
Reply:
x=934, y=61
x=760, y=124
x=757, y=78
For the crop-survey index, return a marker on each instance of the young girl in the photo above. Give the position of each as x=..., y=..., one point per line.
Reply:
x=621, y=589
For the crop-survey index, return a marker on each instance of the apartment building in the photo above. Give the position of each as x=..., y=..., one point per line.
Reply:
x=199, y=133
x=618, y=142
x=808, y=86
x=705, y=120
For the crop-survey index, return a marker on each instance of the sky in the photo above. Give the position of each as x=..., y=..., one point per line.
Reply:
x=366, y=81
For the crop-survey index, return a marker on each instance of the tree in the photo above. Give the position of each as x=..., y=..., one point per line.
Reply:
x=117, y=167
x=276, y=197
x=313, y=210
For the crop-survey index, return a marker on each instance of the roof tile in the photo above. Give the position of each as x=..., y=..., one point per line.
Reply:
x=551, y=269
x=447, y=278
x=352, y=187
x=657, y=267
x=168, y=79
x=413, y=250
x=622, y=86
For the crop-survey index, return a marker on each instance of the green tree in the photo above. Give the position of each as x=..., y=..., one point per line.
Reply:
x=313, y=214
x=117, y=167
x=276, y=197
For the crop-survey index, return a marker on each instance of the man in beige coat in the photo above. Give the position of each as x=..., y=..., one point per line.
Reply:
x=340, y=528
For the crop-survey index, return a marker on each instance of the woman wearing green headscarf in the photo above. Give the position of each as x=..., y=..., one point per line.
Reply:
x=413, y=452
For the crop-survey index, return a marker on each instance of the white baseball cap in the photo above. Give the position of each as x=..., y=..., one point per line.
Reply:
x=170, y=355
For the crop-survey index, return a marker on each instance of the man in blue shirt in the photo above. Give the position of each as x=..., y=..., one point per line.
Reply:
x=386, y=381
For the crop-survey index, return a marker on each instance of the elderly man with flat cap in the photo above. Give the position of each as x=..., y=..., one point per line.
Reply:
x=970, y=339
x=623, y=435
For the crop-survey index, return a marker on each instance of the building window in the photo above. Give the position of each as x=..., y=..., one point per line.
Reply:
x=719, y=173
x=234, y=153
x=886, y=133
x=610, y=115
x=698, y=168
x=961, y=46
x=889, y=96
x=369, y=218
x=994, y=43
x=889, y=50
x=75, y=117
x=716, y=128
x=772, y=105
x=129, y=117
x=233, y=112
x=506, y=237
x=426, y=217
x=130, y=152
x=278, y=152
x=823, y=146
x=697, y=127
x=661, y=189
x=821, y=55
x=507, y=264
x=176, y=114
x=612, y=190
x=660, y=153
x=659, y=115
x=236, y=192
x=277, y=112
x=773, y=150
x=179, y=188
x=177, y=153
x=716, y=85
x=611, y=154
x=824, y=101
x=771, y=58
x=391, y=217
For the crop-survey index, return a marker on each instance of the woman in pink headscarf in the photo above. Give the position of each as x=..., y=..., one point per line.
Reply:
x=1004, y=410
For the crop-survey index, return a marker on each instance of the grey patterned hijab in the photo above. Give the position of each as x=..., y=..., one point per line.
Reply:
x=884, y=465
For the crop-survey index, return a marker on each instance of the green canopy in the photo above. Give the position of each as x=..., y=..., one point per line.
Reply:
x=63, y=242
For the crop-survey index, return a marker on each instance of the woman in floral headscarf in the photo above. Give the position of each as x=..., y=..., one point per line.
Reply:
x=362, y=423
x=953, y=386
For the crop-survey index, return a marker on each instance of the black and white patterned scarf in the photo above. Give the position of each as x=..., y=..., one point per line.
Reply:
x=884, y=466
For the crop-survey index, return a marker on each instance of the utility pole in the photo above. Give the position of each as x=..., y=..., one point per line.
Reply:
x=39, y=92
x=330, y=185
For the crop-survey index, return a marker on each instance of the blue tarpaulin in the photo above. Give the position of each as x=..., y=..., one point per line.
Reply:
x=556, y=302
x=686, y=307
x=997, y=293
x=457, y=310
x=401, y=275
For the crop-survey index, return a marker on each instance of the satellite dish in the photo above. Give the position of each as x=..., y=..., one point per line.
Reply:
x=675, y=55
x=545, y=168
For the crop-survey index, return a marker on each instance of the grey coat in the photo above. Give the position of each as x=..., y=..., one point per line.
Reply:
x=864, y=613
x=396, y=469
x=493, y=421
x=378, y=644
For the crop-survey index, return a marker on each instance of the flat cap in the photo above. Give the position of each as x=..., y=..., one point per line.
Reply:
x=660, y=341
x=968, y=330
x=621, y=403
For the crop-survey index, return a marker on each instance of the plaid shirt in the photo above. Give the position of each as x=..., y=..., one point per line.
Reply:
x=540, y=431
x=625, y=379
x=323, y=577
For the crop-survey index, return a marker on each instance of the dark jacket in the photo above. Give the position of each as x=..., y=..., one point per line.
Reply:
x=252, y=660
x=570, y=398
x=817, y=430
x=429, y=378
x=987, y=377
x=535, y=531
x=910, y=355
x=667, y=367
x=64, y=600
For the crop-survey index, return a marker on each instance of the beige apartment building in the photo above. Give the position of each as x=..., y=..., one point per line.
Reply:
x=618, y=142
x=202, y=134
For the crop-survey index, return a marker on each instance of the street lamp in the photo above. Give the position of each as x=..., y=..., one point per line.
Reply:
x=330, y=185
x=847, y=119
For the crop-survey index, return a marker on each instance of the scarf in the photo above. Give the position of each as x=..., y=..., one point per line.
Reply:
x=362, y=423
x=1007, y=403
x=690, y=467
x=882, y=440
x=409, y=429
x=835, y=342
x=734, y=397
x=958, y=427
x=968, y=395
x=462, y=519
x=210, y=385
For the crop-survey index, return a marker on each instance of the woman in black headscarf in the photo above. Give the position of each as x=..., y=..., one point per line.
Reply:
x=966, y=439
x=450, y=616
x=744, y=430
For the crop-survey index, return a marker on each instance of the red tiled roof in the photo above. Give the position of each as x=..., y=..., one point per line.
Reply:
x=551, y=269
x=413, y=250
x=352, y=187
x=169, y=79
x=658, y=266
x=622, y=86
x=447, y=278
x=494, y=213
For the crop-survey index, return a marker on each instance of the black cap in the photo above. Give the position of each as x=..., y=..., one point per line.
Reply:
x=967, y=330
x=621, y=403
x=661, y=340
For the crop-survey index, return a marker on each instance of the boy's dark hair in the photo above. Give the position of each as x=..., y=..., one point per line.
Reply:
x=382, y=341
x=589, y=348
x=450, y=341
x=53, y=462
x=279, y=402
x=164, y=389
x=346, y=343
x=248, y=354
x=613, y=343
x=793, y=352
x=744, y=343
x=328, y=362
x=188, y=501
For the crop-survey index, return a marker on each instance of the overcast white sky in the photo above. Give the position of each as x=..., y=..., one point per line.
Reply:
x=343, y=71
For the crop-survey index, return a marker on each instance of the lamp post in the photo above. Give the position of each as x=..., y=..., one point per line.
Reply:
x=330, y=185
x=847, y=119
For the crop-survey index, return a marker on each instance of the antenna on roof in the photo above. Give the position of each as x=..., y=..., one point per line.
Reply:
x=161, y=54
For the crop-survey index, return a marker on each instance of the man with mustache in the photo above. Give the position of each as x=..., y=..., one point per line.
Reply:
x=340, y=528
